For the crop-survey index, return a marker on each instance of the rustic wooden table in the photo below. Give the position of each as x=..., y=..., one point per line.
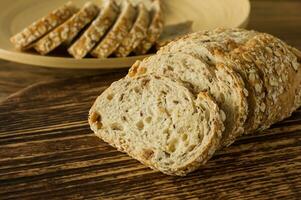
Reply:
x=48, y=152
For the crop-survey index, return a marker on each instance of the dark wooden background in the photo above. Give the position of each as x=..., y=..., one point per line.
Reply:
x=48, y=152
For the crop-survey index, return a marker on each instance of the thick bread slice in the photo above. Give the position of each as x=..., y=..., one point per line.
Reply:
x=68, y=30
x=137, y=33
x=96, y=31
x=155, y=29
x=220, y=81
x=281, y=74
x=38, y=29
x=117, y=33
x=157, y=121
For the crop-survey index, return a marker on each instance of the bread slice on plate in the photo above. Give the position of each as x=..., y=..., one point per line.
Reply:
x=137, y=33
x=155, y=29
x=38, y=29
x=219, y=81
x=157, y=121
x=96, y=31
x=118, y=32
x=68, y=30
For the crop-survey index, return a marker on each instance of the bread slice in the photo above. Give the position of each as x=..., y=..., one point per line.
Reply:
x=226, y=88
x=96, y=31
x=38, y=29
x=154, y=31
x=68, y=30
x=280, y=71
x=117, y=33
x=157, y=121
x=137, y=33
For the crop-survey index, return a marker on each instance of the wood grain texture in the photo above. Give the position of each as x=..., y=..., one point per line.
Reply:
x=47, y=151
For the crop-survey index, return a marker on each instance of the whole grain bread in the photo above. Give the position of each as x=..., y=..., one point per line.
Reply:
x=240, y=74
x=225, y=86
x=68, y=30
x=155, y=29
x=99, y=27
x=137, y=33
x=157, y=121
x=39, y=28
x=118, y=32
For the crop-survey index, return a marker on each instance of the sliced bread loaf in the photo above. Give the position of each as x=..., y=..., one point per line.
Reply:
x=38, y=29
x=68, y=30
x=118, y=32
x=155, y=29
x=220, y=81
x=96, y=31
x=137, y=33
x=157, y=121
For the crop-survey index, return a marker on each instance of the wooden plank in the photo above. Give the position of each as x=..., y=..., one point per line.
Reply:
x=47, y=151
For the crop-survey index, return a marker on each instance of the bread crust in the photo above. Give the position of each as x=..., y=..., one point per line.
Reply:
x=279, y=69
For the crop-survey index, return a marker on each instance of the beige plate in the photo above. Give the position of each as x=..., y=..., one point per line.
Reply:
x=16, y=14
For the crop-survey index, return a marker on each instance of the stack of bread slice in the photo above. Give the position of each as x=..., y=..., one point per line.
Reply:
x=198, y=94
x=113, y=29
